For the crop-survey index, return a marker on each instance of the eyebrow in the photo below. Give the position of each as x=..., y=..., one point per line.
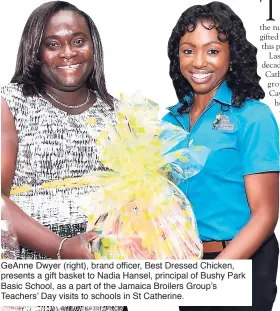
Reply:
x=74, y=34
x=205, y=44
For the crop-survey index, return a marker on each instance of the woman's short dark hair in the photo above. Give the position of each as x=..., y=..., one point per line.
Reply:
x=28, y=64
x=242, y=78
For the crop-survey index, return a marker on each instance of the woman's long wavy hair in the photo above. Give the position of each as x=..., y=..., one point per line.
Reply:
x=242, y=78
x=28, y=65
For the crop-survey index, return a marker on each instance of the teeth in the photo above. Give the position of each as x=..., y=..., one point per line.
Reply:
x=69, y=67
x=74, y=66
x=201, y=75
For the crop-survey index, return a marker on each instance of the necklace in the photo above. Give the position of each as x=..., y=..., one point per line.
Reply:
x=190, y=122
x=69, y=106
x=190, y=118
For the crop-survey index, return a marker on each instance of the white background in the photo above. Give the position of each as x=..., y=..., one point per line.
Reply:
x=134, y=36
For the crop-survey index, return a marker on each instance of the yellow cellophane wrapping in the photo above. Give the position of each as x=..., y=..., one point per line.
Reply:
x=141, y=213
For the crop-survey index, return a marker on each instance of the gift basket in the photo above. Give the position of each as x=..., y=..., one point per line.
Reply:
x=138, y=210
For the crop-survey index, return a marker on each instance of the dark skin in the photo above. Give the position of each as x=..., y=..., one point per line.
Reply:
x=66, y=41
x=204, y=62
x=67, y=55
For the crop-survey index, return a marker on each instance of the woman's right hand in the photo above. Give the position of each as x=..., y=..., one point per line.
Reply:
x=78, y=247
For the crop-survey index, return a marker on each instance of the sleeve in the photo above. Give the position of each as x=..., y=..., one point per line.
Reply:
x=259, y=142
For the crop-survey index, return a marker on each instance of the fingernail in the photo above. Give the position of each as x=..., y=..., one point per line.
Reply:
x=97, y=230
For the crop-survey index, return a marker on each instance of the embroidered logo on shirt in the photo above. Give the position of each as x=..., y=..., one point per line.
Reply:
x=222, y=123
x=217, y=121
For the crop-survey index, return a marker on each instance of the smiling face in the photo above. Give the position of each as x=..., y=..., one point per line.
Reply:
x=66, y=51
x=204, y=60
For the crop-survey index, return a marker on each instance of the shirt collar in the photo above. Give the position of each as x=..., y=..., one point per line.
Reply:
x=222, y=96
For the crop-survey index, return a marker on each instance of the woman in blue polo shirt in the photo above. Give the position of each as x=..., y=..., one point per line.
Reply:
x=235, y=197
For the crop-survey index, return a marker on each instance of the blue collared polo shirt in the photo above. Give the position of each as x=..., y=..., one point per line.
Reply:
x=242, y=141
